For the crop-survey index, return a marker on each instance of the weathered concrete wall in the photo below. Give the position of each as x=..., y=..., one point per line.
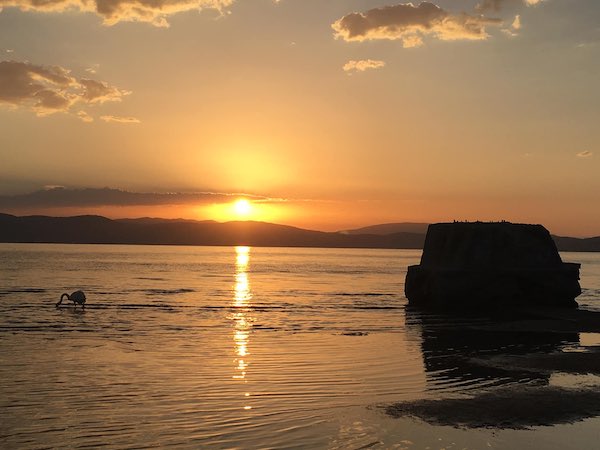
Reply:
x=463, y=245
x=491, y=265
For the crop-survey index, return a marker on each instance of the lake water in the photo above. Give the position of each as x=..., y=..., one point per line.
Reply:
x=242, y=347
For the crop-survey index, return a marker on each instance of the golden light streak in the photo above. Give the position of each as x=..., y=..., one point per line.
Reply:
x=242, y=296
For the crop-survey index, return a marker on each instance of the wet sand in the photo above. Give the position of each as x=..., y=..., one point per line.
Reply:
x=515, y=408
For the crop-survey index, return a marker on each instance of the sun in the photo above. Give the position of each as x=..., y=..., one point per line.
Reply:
x=242, y=207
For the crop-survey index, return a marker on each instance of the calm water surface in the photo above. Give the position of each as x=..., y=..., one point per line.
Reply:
x=241, y=348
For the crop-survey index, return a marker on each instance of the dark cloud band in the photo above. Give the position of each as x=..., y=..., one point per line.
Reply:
x=60, y=197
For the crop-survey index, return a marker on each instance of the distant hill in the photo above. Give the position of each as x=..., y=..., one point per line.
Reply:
x=569, y=244
x=389, y=228
x=150, y=220
x=100, y=230
x=564, y=244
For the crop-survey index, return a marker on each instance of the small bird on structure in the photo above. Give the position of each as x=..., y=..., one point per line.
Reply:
x=77, y=297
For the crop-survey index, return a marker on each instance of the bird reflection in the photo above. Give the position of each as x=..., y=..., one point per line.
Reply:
x=242, y=322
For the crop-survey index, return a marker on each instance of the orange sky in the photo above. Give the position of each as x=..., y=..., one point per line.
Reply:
x=328, y=115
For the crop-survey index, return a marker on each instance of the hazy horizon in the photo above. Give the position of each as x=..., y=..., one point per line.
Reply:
x=40, y=204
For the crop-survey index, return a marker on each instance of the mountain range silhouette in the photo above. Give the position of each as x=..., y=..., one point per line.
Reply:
x=101, y=230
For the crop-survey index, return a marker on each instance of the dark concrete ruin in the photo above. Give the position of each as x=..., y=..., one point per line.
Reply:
x=491, y=265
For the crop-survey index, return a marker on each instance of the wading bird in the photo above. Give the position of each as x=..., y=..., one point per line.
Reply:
x=77, y=297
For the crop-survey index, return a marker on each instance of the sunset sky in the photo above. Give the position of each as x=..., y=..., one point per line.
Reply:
x=322, y=114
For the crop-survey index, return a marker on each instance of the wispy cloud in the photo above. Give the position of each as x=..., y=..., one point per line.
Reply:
x=154, y=12
x=100, y=92
x=362, y=65
x=517, y=22
x=584, y=154
x=409, y=24
x=515, y=27
x=120, y=119
x=50, y=89
x=93, y=69
x=85, y=117
x=497, y=5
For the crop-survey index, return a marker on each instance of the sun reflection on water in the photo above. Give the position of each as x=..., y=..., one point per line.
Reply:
x=242, y=322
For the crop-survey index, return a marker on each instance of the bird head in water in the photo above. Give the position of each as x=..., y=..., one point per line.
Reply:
x=77, y=297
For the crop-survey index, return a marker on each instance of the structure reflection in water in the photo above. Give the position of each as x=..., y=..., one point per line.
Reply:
x=454, y=345
x=241, y=303
x=508, y=364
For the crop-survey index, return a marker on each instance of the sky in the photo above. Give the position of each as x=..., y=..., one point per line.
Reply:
x=326, y=115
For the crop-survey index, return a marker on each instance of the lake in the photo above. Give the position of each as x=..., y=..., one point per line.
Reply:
x=237, y=347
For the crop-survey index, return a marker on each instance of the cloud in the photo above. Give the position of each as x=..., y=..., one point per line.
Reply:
x=93, y=69
x=120, y=119
x=584, y=154
x=50, y=89
x=100, y=92
x=55, y=196
x=497, y=5
x=154, y=12
x=410, y=23
x=362, y=65
x=515, y=26
x=517, y=22
x=85, y=117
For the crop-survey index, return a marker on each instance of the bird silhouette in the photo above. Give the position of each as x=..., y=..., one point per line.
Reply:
x=77, y=297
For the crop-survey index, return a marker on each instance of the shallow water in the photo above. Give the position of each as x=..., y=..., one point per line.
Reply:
x=246, y=348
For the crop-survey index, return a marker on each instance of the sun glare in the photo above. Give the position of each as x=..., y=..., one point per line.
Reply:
x=242, y=207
